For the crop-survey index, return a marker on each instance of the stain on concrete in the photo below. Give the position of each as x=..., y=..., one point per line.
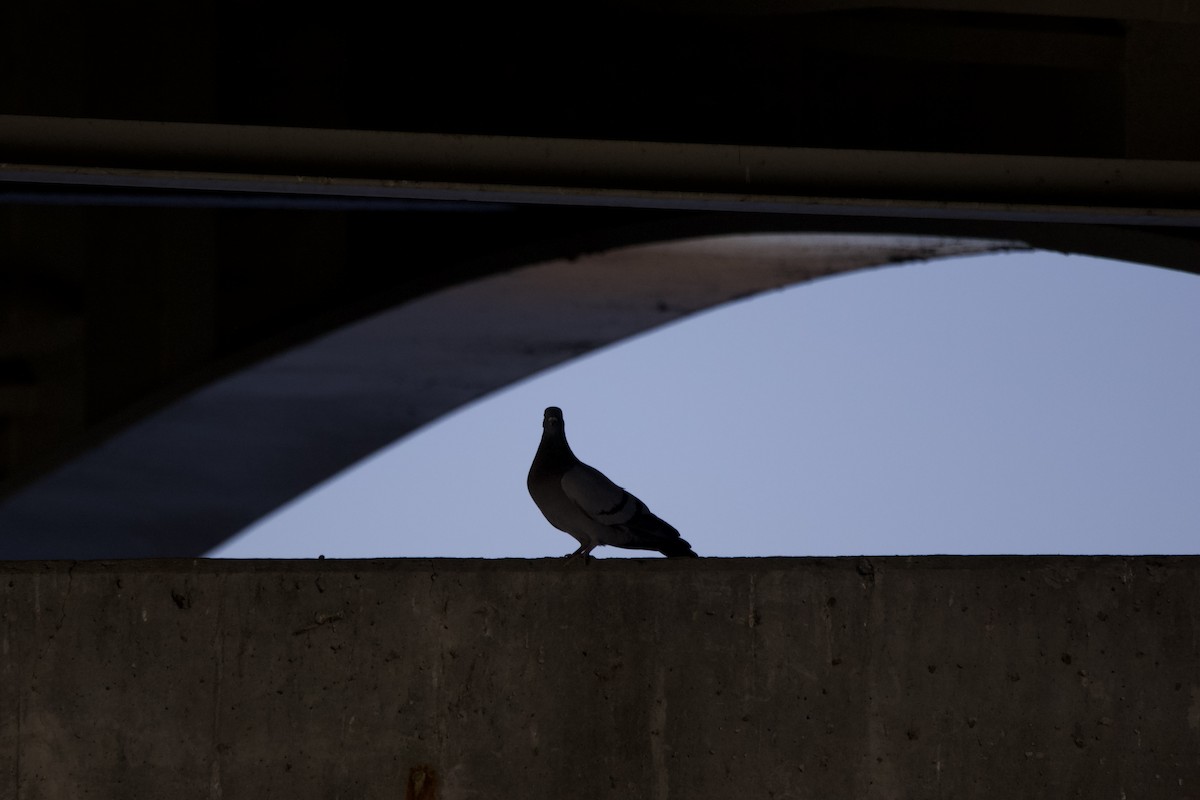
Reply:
x=422, y=784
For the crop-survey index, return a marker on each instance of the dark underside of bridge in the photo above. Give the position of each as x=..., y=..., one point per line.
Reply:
x=186, y=189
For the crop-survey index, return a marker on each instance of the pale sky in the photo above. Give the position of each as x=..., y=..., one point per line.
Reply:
x=1014, y=403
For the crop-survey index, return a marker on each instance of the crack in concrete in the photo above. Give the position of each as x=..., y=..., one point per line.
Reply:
x=20, y=746
x=214, y=781
x=66, y=597
x=62, y=616
x=658, y=731
x=20, y=696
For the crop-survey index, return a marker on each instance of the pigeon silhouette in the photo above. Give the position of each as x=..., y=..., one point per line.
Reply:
x=581, y=501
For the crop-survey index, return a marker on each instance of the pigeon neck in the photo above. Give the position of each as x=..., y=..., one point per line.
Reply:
x=555, y=449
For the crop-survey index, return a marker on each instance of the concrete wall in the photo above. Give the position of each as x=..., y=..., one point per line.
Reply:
x=786, y=678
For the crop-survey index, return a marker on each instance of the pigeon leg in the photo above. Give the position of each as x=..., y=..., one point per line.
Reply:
x=584, y=550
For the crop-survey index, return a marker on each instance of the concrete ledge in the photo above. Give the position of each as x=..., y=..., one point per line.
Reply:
x=860, y=677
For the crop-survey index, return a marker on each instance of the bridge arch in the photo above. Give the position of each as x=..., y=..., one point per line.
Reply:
x=185, y=478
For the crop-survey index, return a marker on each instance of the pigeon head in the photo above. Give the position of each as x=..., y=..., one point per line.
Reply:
x=553, y=421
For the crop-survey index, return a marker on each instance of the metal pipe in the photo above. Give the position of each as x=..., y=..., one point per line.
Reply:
x=435, y=166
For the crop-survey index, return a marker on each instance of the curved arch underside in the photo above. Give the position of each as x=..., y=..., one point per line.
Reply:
x=173, y=208
x=188, y=477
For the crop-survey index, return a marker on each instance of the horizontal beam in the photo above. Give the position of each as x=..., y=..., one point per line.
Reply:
x=299, y=162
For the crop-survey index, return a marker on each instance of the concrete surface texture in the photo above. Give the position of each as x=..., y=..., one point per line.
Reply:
x=992, y=677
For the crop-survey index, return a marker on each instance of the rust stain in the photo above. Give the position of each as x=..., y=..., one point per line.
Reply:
x=422, y=784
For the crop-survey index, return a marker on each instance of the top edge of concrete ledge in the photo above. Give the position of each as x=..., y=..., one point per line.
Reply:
x=863, y=564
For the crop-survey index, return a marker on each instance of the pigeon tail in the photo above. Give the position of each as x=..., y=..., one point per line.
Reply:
x=676, y=549
x=649, y=532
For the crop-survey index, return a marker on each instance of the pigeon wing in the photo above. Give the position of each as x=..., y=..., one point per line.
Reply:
x=596, y=496
x=627, y=520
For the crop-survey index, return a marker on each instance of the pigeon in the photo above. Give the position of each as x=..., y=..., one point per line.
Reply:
x=581, y=501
